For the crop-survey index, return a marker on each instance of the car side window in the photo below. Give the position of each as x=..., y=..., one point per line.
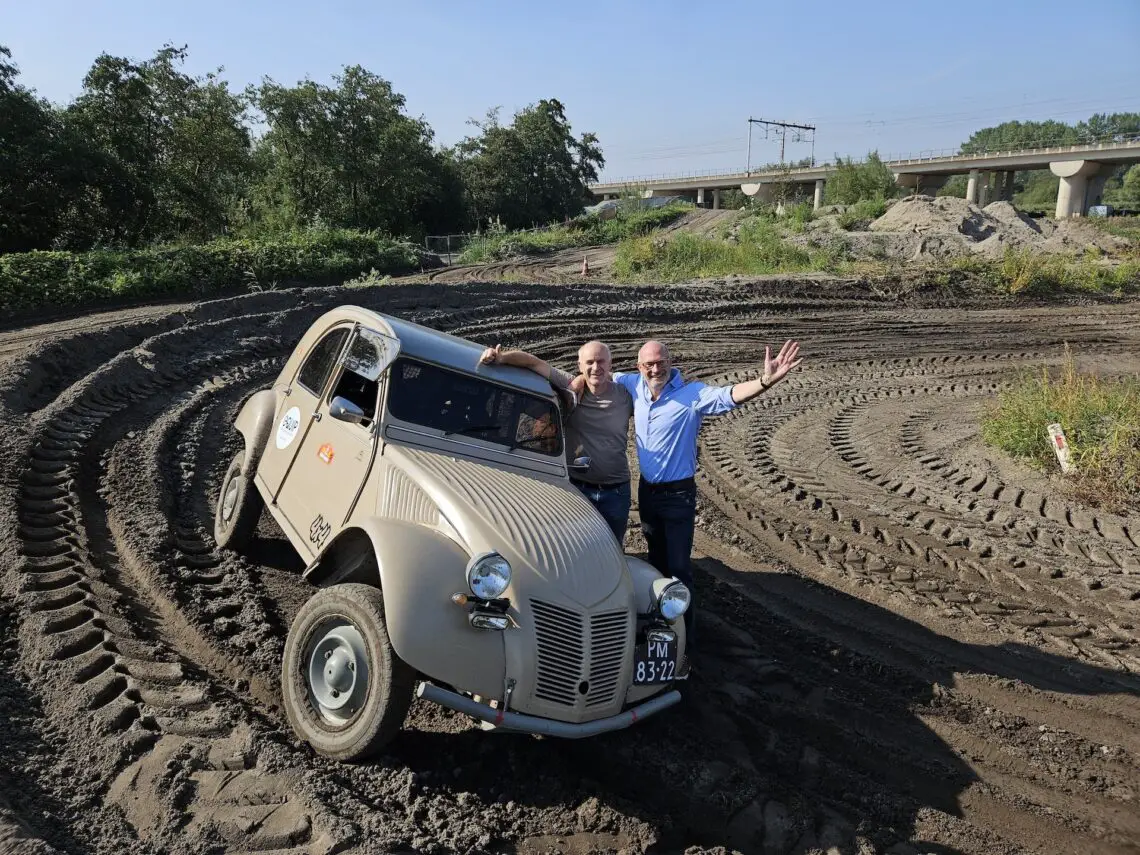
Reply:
x=320, y=361
x=360, y=391
x=460, y=404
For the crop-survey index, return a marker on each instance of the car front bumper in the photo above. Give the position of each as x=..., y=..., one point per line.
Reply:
x=507, y=721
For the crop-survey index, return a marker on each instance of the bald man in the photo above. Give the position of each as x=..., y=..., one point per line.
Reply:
x=598, y=427
x=667, y=415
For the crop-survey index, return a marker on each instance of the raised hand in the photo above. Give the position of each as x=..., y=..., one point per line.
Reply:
x=777, y=369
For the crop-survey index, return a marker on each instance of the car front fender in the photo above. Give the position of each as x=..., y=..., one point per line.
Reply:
x=254, y=422
x=419, y=569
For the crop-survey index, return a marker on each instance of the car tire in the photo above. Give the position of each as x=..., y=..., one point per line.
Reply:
x=337, y=636
x=238, y=509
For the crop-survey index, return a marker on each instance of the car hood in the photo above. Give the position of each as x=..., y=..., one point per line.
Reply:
x=541, y=524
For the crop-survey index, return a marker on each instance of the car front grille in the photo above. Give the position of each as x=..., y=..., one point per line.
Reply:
x=609, y=644
x=567, y=658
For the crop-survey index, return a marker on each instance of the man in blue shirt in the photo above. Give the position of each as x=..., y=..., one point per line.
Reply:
x=667, y=415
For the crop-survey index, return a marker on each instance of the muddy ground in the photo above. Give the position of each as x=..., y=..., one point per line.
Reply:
x=908, y=643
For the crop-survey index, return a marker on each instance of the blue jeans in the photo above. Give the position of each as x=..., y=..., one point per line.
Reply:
x=612, y=503
x=668, y=517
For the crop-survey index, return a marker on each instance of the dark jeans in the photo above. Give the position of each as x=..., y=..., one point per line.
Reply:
x=667, y=519
x=612, y=502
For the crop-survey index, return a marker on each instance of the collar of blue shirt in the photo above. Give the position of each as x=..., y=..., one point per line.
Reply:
x=675, y=382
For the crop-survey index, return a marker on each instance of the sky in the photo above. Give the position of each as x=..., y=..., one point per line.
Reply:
x=667, y=86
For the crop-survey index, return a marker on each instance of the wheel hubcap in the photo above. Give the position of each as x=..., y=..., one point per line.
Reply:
x=337, y=671
x=229, y=499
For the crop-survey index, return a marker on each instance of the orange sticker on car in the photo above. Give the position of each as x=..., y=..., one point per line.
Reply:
x=325, y=453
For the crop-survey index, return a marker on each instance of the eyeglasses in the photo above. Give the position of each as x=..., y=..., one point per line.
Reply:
x=658, y=363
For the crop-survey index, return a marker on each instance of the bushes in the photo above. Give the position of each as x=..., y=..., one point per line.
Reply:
x=758, y=249
x=1101, y=420
x=587, y=230
x=855, y=182
x=36, y=280
x=861, y=214
x=1026, y=272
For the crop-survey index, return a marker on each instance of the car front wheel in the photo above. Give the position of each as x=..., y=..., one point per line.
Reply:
x=239, y=508
x=346, y=691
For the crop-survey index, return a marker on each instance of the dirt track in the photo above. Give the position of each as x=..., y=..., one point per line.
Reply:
x=907, y=644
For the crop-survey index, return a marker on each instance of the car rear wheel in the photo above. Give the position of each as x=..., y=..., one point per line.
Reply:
x=239, y=508
x=346, y=691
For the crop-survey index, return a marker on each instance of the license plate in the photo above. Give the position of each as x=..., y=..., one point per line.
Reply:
x=655, y=661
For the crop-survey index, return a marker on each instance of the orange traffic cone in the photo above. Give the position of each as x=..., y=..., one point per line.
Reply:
x=585, y=266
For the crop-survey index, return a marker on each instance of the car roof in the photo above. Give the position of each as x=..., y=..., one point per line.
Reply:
x=449, y=351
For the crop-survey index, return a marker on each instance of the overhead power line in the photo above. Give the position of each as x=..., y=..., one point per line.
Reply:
x=781, y=129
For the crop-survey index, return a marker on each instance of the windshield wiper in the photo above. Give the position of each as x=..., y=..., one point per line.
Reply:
x=473, y=429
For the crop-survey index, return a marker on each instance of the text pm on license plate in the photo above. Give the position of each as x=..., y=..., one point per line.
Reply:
x=655, y=661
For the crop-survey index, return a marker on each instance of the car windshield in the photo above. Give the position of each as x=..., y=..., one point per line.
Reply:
x=460, y=404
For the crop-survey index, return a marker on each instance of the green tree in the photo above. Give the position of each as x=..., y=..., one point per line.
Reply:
x=855, y=182
x=533, y=171
x=173, y=150
x=348, y=155
x=42, y=169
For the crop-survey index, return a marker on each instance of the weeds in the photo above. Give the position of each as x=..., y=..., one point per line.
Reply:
x=1101, y=419
x=372, y=279
x=860, y=215
x=584, y=231
x=758, y=249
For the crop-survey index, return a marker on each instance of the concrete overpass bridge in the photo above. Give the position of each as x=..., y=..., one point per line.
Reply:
x=1083, y=170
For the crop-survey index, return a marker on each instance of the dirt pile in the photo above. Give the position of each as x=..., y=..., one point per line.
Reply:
x=920, y=228
x=943, y=215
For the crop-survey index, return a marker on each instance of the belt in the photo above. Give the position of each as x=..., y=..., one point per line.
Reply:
x=661, y=486
x=612, y=486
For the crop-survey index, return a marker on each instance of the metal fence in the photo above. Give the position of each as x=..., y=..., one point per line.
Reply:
x=450, y=247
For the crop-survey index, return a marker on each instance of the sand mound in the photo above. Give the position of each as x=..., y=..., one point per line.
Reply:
x=941, y=215
x=948, y=225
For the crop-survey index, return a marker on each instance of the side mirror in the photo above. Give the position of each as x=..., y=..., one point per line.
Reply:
x=580, y=465
x=343, y=410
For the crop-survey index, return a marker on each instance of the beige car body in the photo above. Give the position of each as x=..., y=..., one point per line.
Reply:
x=404, y=507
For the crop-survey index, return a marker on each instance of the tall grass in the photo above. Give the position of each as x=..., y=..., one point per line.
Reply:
x=758, y=249
x=1101, y=420
x=584, y=231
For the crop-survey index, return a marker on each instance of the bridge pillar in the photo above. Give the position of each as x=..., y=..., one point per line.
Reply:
x=972, y=187
x=1095, y=194
x=700, y=197
x=817, y=202
x=716, y=200
x=984, y=194
x=1007, y=188
x=1074, y=175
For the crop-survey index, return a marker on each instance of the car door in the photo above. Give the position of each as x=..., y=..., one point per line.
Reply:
x=297, y=406
x=335, y=455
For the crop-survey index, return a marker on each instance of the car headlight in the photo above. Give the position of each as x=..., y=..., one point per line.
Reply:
x=673, y=598
x=488, y=575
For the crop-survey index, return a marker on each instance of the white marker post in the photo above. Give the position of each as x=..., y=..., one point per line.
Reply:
x=1060, y=447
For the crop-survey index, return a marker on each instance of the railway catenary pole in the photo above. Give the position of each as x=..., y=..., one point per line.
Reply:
x=782, y=130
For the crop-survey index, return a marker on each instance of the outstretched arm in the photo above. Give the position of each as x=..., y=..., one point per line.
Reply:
x=775, y=370
x=520, y=358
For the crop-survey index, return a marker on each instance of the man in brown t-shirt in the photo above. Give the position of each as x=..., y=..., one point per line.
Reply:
x=597, y=427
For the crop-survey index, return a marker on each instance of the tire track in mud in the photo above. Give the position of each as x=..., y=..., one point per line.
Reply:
x=917, y=673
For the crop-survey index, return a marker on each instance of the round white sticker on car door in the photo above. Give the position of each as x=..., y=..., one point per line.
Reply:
x=287, y=429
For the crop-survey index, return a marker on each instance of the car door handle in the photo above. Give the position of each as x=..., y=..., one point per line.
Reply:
x=316, y=417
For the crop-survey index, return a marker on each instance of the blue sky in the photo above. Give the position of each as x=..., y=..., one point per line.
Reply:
x=667, y=86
